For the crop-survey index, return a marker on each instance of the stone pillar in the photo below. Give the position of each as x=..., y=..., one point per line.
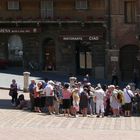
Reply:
x=26, y=81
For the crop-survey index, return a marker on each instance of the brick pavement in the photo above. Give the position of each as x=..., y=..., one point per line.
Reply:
x=39, y=126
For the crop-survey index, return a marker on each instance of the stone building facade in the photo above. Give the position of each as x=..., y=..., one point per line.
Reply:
x=125, y=37
x=73, y=36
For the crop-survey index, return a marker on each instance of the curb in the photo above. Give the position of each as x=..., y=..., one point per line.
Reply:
x=5, y=88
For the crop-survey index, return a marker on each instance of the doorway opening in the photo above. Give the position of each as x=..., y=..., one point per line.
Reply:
x=128, y=62
x=49, y=59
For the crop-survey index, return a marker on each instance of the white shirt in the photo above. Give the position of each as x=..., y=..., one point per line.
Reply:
x=127, y=98
x=48, y=90
x=100, y=94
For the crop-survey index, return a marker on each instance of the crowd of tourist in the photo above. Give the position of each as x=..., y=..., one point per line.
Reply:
x=79, y=98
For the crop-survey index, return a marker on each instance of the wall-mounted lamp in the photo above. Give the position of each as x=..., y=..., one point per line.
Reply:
x=16, y=24
x=114, y=46
x=107, y=43
x=138, y=37
x=37, y=24
x=69, y=46
x=83, y=24
x=2, y=43
x=104, y=25
x=60, y=24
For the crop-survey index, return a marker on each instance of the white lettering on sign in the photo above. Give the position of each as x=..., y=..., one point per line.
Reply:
x=19, y=30
x=93, y=38
x=72, y=38
x=4, y=31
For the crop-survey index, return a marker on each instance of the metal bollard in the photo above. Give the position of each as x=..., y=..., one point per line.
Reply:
x=26, y=81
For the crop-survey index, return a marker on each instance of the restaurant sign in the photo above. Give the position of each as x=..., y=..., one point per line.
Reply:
x=82, y=35
x=90, y=38
x=20, y=30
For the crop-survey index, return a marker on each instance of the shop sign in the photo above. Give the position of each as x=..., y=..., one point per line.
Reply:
x=90, y=38
x=20, y=30
x=94, y=38
x=82, y=35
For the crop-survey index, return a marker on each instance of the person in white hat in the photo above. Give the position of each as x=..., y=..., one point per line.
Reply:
x=127, y=99
x=114, y=101
x=100, y=96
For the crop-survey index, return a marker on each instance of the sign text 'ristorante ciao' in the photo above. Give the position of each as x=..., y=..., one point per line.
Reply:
x=81, y=35
x=91, y=38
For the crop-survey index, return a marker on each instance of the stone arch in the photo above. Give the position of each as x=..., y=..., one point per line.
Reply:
x=128, y=37
x=128, y=61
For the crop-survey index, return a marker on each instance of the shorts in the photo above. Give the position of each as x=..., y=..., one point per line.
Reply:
x=127, y=106
x=37, y=102
x=66, y=103
x=42, y=101
x=49, y=101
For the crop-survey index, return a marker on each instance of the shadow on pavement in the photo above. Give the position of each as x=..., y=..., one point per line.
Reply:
x=5, y=104
x=55, y=75
x=51, y=75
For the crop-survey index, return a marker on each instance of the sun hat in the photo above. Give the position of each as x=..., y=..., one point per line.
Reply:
x=51, y=82
x=128, y=87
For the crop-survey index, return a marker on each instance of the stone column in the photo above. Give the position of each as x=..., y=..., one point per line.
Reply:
x=26, y=81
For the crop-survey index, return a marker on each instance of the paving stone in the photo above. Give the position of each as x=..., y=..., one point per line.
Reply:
x=23, y=124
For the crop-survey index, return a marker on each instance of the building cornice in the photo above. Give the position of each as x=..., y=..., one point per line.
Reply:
x=51, y=22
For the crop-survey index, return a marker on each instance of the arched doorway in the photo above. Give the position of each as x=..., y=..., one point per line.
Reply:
x=49, y=60
x=128, y=61
x=15, y=50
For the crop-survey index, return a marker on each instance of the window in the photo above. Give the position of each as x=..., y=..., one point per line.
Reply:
x=85, y=60
x=15, y=48
x=130, y=12
x=13, y=5
x=81, y=4
x=46, y=8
